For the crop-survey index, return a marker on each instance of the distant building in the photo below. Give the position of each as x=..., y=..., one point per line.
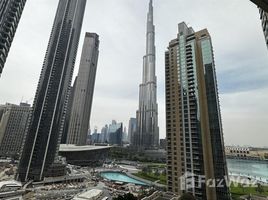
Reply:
x=115, y=133
x=83, y=92
x=246, y=153
x=95, y=138
x=132, y=129
x=13, y=122
x=10, y=14
x=104, y=134
x=193, y=120
x=125, y=136
x=163, y=143
x=39, y=157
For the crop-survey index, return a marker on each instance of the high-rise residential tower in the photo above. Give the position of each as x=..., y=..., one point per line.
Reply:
x=115, y=133
x=195, y=146
x=10, y=14
x=68, y=114
x=264, y=23
x=39, y=155
x=13, y=123
x=147, y=134
x=263, y=9
x=104, y=134
x=83, y=92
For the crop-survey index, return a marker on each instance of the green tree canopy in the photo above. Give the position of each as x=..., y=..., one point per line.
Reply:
x=187, y=196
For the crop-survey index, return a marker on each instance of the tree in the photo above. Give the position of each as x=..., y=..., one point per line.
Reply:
x=145, y=169
x=127, y=196
x=156, y=172
x=260, y=188
x=187, y=196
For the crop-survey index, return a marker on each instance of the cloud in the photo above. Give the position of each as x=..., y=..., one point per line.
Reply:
x=240, y=55
x=245, y=117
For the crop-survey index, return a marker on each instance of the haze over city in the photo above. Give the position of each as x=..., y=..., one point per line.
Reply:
x=239, y=49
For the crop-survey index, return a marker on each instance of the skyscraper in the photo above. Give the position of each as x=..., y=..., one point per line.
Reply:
x=39, y=155
x=83, y=92
x=115, y=133
x=13, y=123
x=131, y=129
x=264, y=23
x=263, y=9
x=195, y=143
x=68, y=114
x=147, y=134
x=10, y=13
x=104, y=134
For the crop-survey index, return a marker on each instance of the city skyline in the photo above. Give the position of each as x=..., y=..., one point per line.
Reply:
x=241, y=60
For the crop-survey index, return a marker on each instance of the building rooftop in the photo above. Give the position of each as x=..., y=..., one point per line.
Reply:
x=72, y=147
x=11, y=183
x=90, y=194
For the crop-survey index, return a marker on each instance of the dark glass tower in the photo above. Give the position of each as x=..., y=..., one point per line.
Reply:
x=264, y=23
x=10, y=13
x=195, y=145
x=46, y=123
x=263, y=9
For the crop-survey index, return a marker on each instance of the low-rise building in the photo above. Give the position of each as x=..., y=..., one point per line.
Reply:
x=13, y=123
x=246, y=153
x=93, y=194
x=87, y=155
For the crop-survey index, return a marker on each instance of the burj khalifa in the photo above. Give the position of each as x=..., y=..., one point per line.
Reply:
x=147, y=132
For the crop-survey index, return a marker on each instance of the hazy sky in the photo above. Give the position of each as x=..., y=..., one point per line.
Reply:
x=240, y=54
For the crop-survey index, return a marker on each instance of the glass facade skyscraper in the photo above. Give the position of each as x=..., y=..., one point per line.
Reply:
x=49, y=109
x=10, y=14
x=147, y=130
x=195, y=146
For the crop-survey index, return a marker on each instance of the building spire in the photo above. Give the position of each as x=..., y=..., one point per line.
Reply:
x=150, y=13
x=147, y=133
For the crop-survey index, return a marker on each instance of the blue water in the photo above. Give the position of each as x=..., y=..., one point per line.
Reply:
x=117, y=176
x=252, y=168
